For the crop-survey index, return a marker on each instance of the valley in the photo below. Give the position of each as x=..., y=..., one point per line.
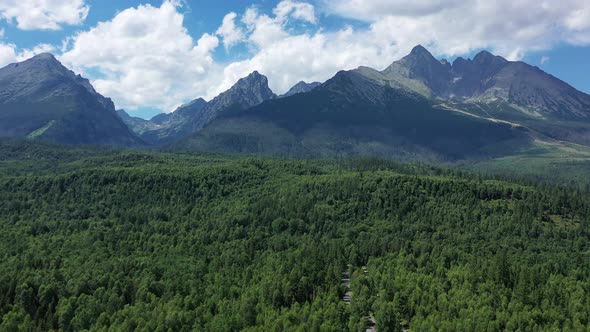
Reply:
x=427, y=195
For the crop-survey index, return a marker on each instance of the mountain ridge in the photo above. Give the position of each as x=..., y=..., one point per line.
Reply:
x=42, y=99
x=246, y=92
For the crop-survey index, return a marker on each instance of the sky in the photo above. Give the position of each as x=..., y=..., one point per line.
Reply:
x=151, y=56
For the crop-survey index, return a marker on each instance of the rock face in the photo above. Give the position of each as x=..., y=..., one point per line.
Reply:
x=489, y=79
x=41, y=99
x=422, y=67
x=301, y=87
x=247, y=92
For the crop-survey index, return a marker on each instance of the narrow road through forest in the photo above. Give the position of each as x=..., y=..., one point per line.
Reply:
x=348, y=297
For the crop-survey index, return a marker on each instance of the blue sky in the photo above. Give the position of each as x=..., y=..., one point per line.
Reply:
x=151, y=56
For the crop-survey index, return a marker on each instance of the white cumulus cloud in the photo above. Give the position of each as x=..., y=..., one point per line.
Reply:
x=145, y=57
x=43, y=14
x=229, y=32
x=455, y=27
x=9, y=53
x=297, y=10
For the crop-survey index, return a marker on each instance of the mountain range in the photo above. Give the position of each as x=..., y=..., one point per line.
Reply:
x=417, y=108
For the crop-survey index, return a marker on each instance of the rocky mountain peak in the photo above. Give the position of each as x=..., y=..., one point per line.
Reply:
x=487, y=58
x=301, y=87
x=420, y=50
x=44, y=64
x=44, y=57
x=420, y=65
x=253, y=77
x=253, y=87
x=419, y=57
x=200, y=102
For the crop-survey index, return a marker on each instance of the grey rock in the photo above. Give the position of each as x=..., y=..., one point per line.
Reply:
x=487, y=78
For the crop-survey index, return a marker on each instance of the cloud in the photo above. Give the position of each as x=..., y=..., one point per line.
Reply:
x=229, y=32
x=455, y=27
x=297, y=10
x=43, y=14
x=545, y=59
x=29, y=53
x=145, y=57
x=371, y=10
x=7, y=54
x=10, y=54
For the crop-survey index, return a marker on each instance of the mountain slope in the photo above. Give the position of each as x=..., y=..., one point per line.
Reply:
x=247, y=92
x=41, y=99
x=355, y=113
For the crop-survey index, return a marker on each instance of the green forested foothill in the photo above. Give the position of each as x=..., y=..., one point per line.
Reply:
x=128, y=241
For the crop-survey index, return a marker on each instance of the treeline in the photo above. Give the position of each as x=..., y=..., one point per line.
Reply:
x=138, y=241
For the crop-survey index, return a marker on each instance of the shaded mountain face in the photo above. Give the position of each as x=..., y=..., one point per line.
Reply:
x=490, y=79
x=301, y=87
x=356, y=113
x=247, y=92
x=41, y=99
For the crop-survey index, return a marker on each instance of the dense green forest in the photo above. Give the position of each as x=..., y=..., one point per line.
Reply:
x=100, y=239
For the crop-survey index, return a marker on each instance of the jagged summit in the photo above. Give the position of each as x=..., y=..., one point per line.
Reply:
x=44, y=56
x=37, y=65
x=199, y=101
x=419, y=54
x=252, y=89
x=301, y=87
x=485, y=57
x=420, y=50
x=487, y=78
x=421, y=70
x=246, y=92
x=254, y=76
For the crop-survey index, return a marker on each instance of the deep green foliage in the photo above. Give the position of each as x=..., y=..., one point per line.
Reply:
x=140, y=241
